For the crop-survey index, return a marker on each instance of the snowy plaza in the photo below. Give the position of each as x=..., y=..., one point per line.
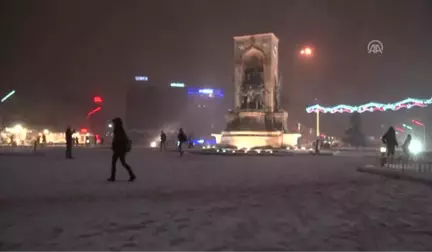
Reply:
x=204, y=202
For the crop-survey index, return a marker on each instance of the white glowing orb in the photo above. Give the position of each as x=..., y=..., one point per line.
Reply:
x=415, y=147
x=153, y=144
x=383, y=149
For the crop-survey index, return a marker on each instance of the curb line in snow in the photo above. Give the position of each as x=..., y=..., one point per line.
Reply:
x=397, y=173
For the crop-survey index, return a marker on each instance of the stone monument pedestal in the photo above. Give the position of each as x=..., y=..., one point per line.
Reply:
x=249, y=129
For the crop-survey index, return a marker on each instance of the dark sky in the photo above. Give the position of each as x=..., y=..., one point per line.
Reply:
x=58, y=54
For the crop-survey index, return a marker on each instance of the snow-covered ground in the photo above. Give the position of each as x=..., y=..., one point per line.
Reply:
x=207, y=203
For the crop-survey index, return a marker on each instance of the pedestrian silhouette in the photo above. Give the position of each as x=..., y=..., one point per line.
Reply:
x=68, y=134
x=405, y=146
x=182, y=138
x=389, y=139
x=121, y=145
x=163, y=139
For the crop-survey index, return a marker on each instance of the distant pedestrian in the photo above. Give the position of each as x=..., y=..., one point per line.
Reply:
x=317, y=146
x=163, y=139
x=68, y=134
x=405, y=146
x=182, y=138
x=35, y=144
x=121, y=145
x=44, y=140
x=389, y=139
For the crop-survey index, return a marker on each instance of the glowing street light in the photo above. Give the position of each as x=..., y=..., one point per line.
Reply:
x=415, y=147
x=407, y=126
x=7, y=96
x=307, y=51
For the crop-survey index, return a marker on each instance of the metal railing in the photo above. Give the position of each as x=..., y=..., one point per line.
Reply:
x=407, y=165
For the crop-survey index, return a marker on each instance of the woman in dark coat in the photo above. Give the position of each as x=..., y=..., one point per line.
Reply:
x=120, y=146
x=389, y=139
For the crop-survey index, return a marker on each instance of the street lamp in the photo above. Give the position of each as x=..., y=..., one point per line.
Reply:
x=317, y=121
x=308, y=52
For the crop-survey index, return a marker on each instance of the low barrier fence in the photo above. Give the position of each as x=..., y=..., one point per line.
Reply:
x=407, y=165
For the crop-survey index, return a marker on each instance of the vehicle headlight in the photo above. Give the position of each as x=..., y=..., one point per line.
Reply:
x=415, y=147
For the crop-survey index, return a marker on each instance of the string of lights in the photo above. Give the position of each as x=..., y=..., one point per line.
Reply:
x=370, y=107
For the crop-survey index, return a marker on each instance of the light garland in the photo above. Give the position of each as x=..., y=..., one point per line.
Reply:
x=370, y=107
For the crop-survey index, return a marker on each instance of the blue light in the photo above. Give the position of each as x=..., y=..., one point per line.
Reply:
x=141, y=78
x=204, y=141
x=205, y=92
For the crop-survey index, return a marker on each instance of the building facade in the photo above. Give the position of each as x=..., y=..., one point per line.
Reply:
x=155, y=107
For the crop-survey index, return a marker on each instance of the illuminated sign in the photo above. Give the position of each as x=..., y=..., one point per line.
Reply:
x=8, y=95
x=177, y=84
x=141, y=78
x=97, y=99
x=207, y=92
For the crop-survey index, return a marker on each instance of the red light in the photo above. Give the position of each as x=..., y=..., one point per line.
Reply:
x=83, y=130
x=399, y=129
x=97, y=99
x=94, y=111
x=417, y=122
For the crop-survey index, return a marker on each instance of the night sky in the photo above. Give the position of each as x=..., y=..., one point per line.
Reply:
x=58, y=54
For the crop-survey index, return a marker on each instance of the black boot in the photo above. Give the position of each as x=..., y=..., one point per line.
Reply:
x=132, y=178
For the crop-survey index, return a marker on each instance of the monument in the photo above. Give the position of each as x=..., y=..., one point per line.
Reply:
x=257, y=119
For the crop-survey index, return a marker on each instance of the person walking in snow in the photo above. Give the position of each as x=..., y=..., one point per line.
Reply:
x=182, y=138
x=405, y=146
x=389, y=139
x=69, y=132
x=121, y=145
x=163, y=139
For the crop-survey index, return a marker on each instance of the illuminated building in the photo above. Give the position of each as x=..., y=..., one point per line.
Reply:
x=151, y=107
x=155, y=107
x=206, y=112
